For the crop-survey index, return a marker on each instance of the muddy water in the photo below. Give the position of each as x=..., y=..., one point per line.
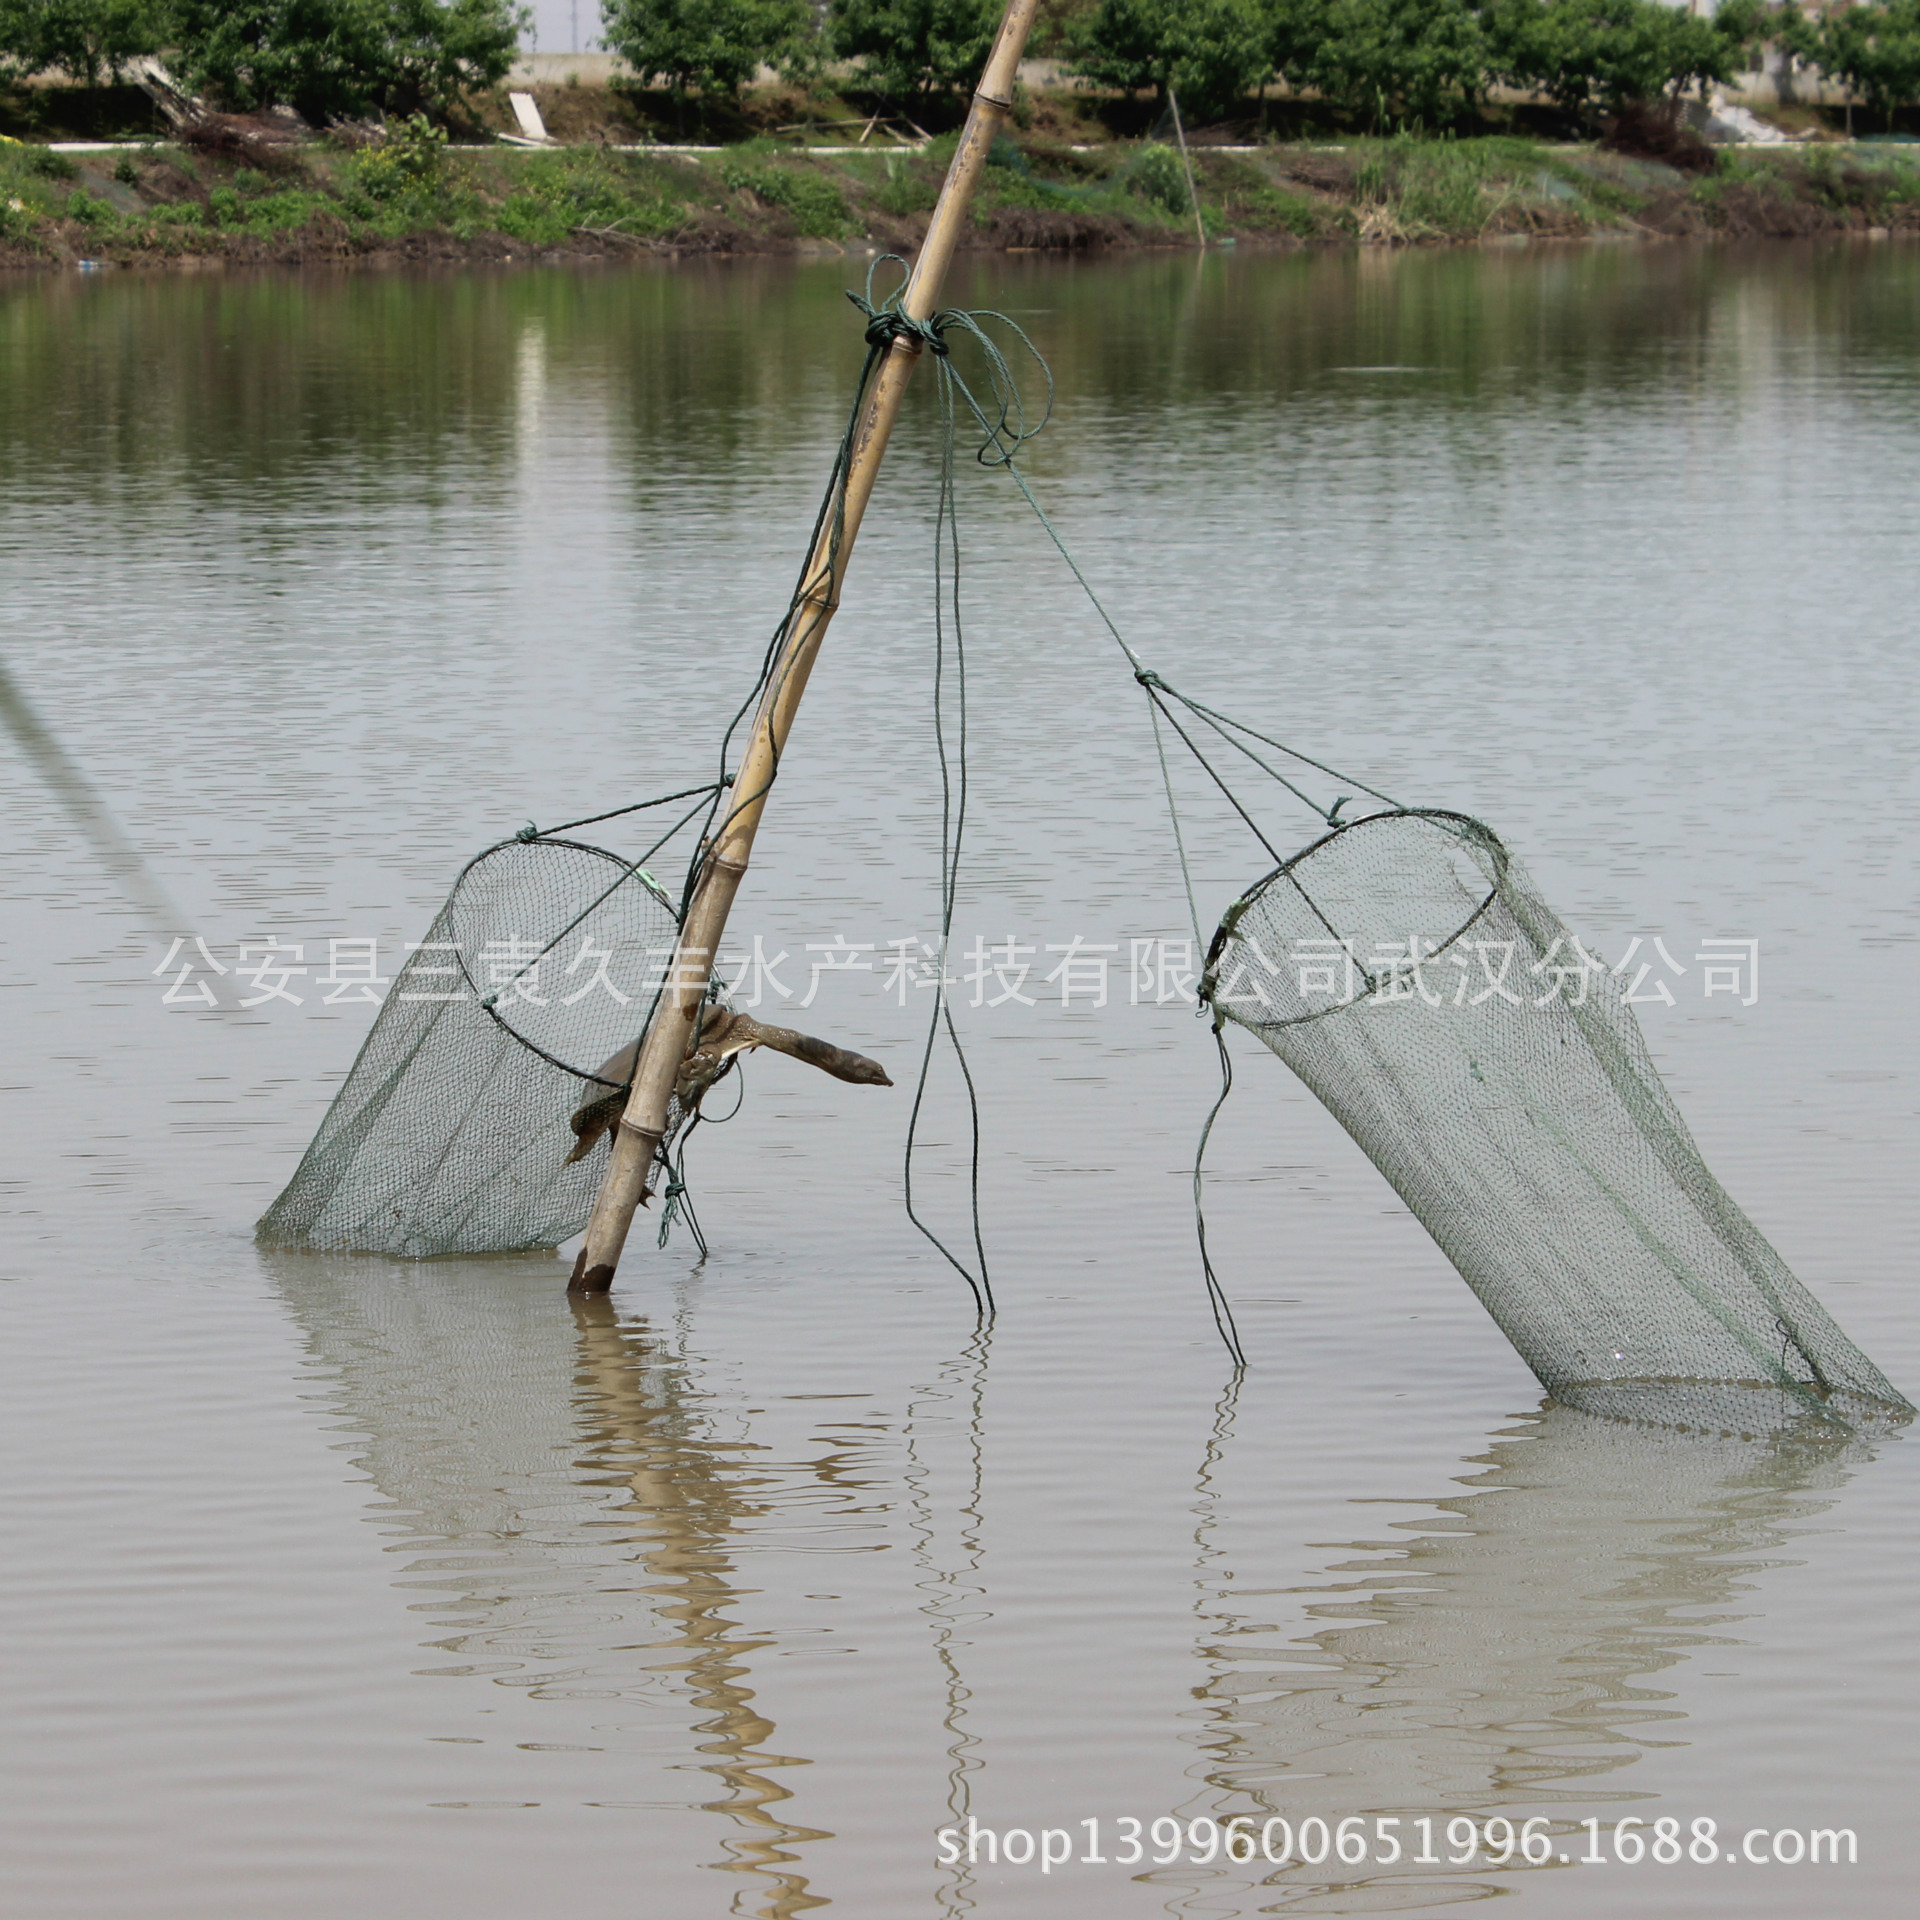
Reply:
x=344, y=1586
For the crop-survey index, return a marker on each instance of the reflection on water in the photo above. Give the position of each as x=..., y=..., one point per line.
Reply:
x=574, y=1519
x=1503, y=1658
x=668, y=1474
x=256, y=387
x=944, y=1485
x=569, y=1507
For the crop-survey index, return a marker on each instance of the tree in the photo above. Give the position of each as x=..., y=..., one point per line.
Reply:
x=327, y=57
x=87, y=40
x=1584, y=54
x=1872, y=50
x=700, y=46
x=437, y=50
x=916, y=46
x=1419, y=60
x=1208, y=52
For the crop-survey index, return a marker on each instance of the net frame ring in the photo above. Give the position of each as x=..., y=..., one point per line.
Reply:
x=1484, y=847
x=486, y=994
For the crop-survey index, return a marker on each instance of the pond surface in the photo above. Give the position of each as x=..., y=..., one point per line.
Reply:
x=351, y=1586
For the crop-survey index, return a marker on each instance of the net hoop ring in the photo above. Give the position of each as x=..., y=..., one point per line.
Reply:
x=629, y=871
x=1461, y=827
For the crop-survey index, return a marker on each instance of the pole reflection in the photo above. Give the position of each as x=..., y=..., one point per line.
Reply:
x=537, y=1452
x=685, y=1505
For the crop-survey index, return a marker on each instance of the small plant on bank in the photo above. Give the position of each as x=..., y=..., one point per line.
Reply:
x=1159, y=176
x=50, y=165
x=907, y=188
x=88, y=209
x=408, y=163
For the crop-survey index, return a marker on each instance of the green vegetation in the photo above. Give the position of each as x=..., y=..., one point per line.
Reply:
x=1588, y=54
x=709, y=47
x=1378, y=66
x=414, y=192
x=1390, y=63
x=816, y=203
x=1872, y=51
x=1207, y=53
x=915, y=47
x=343, y=57
x=87, y=40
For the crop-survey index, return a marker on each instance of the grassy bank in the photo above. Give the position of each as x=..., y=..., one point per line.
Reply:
x=415, y=197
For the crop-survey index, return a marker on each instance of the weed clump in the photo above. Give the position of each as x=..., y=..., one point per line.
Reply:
x=1158, y=175
x=817, y=207
x=50, y=165
x=560, y=195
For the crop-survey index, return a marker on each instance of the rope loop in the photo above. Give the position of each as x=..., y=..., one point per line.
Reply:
x=1004, y=415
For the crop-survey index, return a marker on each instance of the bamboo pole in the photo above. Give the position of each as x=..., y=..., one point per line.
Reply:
x=676, y=1017
x=1193, y=192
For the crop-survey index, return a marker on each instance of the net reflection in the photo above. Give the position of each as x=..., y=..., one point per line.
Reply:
x=1502, y=1656
x=538, y=1454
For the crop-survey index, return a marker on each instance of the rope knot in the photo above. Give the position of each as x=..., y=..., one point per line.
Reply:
x=1148, y=678
x=528, y=832
x=886, y=324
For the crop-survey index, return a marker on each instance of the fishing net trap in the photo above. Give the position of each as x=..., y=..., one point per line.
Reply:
x=1495, y=1074
x=453, y=1131
x=1400, y=964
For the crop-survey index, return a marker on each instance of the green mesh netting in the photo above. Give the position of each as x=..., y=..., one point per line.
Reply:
x=451, y=1132
x=1493, y=1072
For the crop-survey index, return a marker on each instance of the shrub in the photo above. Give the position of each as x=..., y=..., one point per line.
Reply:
x=918, y=47
x=709, y=47
x=88, y=209
x=1404, y=62
x=408, y=162
x=1207, y=52
x=1873, y=50
x=87, y=40
x=1588, y=54
x=50, y=165
x=1158, y=175
x=344, y=57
